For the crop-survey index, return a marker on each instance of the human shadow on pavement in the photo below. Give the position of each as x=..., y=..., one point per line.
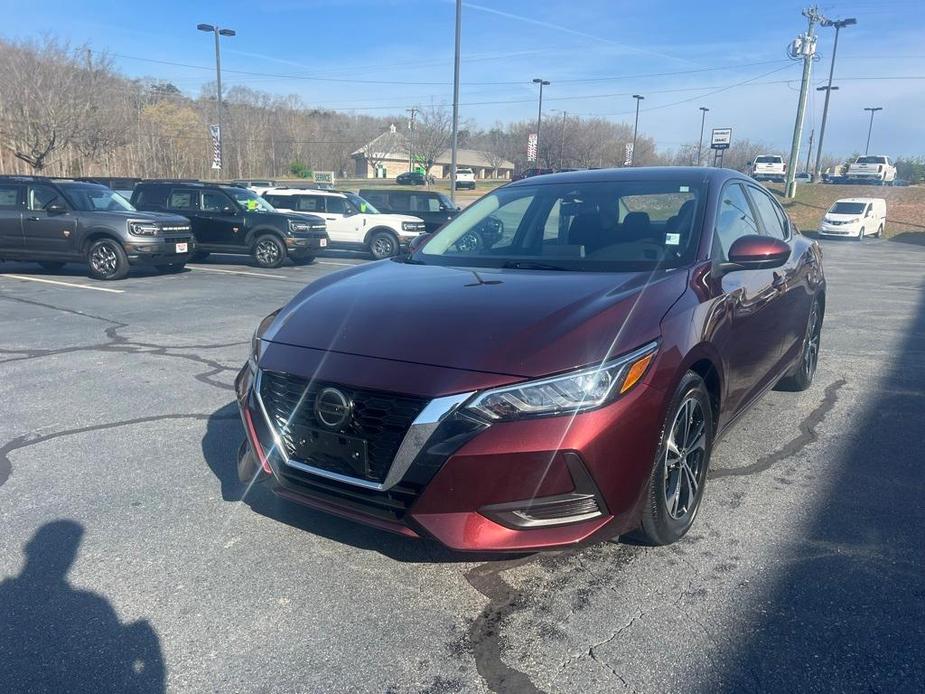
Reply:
x=56, y=638
x=225, y=433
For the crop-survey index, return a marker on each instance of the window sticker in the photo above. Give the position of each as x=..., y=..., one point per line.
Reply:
x=684, y=189
x=672, y=239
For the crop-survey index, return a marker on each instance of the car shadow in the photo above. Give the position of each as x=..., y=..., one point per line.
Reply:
x=224, y=435
x=846, y=608
x=57, y=638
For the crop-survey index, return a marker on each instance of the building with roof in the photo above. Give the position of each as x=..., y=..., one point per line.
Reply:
x=386, y=156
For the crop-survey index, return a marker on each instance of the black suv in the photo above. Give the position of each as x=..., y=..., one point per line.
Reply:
x=435, y=208
x=55, y=221
x=231, y=219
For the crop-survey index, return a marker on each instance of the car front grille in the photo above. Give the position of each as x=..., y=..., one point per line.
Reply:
x=377, y=418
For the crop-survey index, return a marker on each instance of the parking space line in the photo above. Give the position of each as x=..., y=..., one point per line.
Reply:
x=237, y=272
x=328, y=262
x=64, y=284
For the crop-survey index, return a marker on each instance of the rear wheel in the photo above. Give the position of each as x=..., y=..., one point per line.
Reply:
x=269, y=251
x=107, y=260
x=679, y=474
x=383, y=245
x=801, y=377
x=51, y=265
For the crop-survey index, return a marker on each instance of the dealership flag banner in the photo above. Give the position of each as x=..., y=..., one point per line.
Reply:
x=531, y=147
x=215, y=132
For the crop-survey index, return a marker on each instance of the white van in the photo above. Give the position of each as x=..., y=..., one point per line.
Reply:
x=855, y=218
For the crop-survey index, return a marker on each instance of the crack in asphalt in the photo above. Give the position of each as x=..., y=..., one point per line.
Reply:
x=806, y=436
x=32, y=439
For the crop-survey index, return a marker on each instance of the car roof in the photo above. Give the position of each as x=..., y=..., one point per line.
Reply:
x=304, y=191
x=631, y=173
x=859, y=200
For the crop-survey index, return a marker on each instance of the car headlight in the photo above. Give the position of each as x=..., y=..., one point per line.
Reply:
x=255, y=339
x=570, y=393
x=413, y=226
x=143, y=228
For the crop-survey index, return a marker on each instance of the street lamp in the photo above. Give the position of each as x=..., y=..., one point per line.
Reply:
x=638, y=98
x=838, y=24
x=703, y=120
x=873, y=110
x=539, y=114
x=217, y=31
x=561, y=134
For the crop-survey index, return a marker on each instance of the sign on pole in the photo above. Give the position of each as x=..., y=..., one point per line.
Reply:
x=531, y=147
x=721, y=138
x=324, y=177
x=216, y=135
x=628, y=158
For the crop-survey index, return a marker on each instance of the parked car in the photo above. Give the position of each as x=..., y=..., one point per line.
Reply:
x=351, y=221
x=121, y=184
x=878, y=170
x=573, y=379
x=465, y=178
x=769, y=167
x=258, y=185
x=803, y=177
x=529, y=173
x=855, y=217
x=413, y=178
x=58, y=221
x=231, y=219
x=434, y=207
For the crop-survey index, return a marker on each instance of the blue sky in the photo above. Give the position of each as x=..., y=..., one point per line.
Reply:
x=382, y=56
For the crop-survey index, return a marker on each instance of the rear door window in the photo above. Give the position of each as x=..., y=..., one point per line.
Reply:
x=399, y=201
x=181, y=199
x=9, y=197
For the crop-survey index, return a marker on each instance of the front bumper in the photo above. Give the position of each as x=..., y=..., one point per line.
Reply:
x=306, y=244
x=843, y=231
x=512, y=486
x=159, y=250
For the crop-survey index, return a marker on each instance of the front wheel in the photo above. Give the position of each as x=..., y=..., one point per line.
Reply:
x=861, y=234
x=679, y=474
x=303, y=260
x=383, y=245
x=880, y=232
x=171, y=268
x=107, y=260
x=269, y=251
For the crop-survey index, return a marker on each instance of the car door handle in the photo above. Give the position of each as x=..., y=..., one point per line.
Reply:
x=331, y=219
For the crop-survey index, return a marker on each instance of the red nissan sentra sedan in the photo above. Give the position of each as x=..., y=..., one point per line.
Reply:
x=554, y=365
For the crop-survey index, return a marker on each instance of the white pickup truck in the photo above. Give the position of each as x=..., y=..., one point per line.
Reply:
x=769, y=167
x=875, y=169
x=465, y=178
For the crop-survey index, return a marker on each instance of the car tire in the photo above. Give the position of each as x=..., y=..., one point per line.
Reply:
x=269, y=251
x=107, y=260
x=679, y=473
x=303, y=260
x=171, y=268
x=383, y=245
x=880, y=232
x=801, y=376
x=199, y=256
x=860, y=235
x=51, y=265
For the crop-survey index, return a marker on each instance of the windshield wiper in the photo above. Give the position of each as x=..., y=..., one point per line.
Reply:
x=531, y=265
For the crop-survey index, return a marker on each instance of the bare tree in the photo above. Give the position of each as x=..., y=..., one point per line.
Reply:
x=432, y=132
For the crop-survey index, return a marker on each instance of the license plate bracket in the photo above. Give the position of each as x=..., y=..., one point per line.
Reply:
x=330, y=450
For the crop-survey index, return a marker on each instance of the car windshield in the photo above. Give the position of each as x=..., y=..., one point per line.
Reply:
x=362, y=204
x=870, y=160
x=848, y=208
x=250, y=201
x=594, y=226
x=92, y=197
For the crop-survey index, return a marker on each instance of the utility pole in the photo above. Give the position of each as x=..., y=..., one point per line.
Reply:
x=562, y=138
x=638, y=98
x=703, y=120
x=809, y=148
x=838, y=24
x=873, y=110
x=539, y=115
x=455, y=103
x=805, y=47
x=218, y=76
x=413, y=110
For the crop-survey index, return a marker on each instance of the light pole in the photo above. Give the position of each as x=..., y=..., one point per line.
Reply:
x=703, y=120
x=217, y=31
x=539, y=114
x=873, y=110
x=561, y=134
x=455, y=103
x=638, y=98
x=838, y=24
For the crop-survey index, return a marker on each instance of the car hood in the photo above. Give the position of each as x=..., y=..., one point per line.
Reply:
x=840, y=217
x=522, y=323
x=138, y=215
x=397, y=219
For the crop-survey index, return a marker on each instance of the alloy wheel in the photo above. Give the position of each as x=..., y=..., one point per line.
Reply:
x=383, y=247
x=811, y=344
x=104, y=260
x=267, y=252
x=685, y=451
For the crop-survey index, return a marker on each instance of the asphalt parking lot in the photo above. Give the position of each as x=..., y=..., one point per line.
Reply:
x=805, y=570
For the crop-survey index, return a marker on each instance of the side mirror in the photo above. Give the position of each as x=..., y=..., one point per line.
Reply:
x=56, y=208
x=418, y=241
x=754, y=252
